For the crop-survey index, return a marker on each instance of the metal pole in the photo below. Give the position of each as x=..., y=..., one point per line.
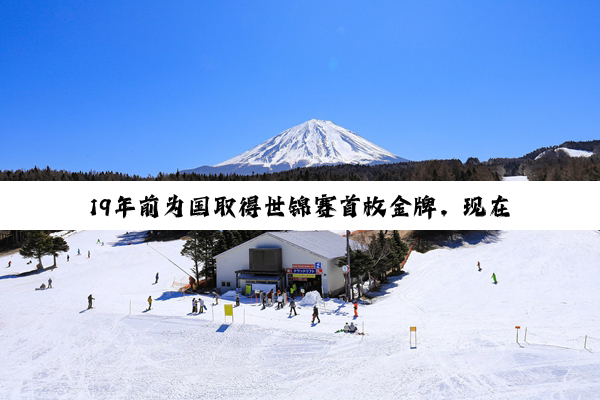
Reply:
x=517, y=336
x=585, y=343
x=525, y=335
x=348, y=293
x=129, y=307
x=363, y=327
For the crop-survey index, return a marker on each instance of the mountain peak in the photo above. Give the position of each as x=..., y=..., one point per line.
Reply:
x=314, y=142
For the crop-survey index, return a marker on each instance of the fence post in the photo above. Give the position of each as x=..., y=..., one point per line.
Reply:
x=525, y=335
x=585, y=342
x=129, y=307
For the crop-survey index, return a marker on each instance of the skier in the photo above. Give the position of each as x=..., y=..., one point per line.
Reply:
x=9, y=263
x=68, y=258
x=293, y=307
x=494, y=278
x=49, y=283
x=155, y=282
x=98, y=241
x=149, y=303
x=78, y=252
x=316, y=314
x=194, y=306
x=202, y=306
x=237, y=299
x=355, y=308
x=90, y=298
x=478, y=266
x=89, y=254
x=216, y=298
x=263, y=300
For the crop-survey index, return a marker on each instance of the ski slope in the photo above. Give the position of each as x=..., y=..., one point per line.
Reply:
x=52, y=347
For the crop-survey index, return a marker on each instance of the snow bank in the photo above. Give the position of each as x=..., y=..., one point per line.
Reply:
x=311, y=298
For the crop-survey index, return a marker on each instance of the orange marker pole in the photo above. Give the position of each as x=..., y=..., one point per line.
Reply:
x=517, y=327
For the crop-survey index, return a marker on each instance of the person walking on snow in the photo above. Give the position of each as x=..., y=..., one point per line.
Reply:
x=316, y=314
x=194, y=306
x=149, y=303
x=89, y=254
x=293, y=307
x=201, y=305
x=494, y=278
x=355, y=308
x=90, y=298
x=216, y=298
x=155, y=282
x=78, y=252
x=478, y=266
x=49, y=283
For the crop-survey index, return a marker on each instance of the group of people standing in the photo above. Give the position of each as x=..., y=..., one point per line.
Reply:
x=198, y=306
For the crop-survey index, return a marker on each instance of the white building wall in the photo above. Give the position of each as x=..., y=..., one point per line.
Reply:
x=237, y=259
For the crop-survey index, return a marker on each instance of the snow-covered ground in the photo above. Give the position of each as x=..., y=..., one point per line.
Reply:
x=519, y=178
x=51, y=347
x=569, y=152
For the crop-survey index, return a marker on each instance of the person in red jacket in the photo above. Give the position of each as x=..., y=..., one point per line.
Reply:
x=355, y=308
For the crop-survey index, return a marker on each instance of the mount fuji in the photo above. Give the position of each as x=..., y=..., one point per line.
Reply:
x=312, y=143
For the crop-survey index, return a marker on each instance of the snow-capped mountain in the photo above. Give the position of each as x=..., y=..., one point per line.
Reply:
x=567, y=151
x=312, y=143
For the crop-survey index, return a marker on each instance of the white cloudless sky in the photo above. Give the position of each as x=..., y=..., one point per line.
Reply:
x=142, y=88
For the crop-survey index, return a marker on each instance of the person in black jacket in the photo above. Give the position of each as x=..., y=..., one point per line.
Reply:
x=316, y=314
x=90, y=298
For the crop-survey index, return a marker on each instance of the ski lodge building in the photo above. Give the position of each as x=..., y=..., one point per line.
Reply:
x=279, y=259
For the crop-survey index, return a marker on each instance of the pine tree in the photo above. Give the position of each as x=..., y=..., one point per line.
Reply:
x=59, y=245
x=36, y=245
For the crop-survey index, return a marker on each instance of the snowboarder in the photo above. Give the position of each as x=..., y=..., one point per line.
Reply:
x=263, y=300
x=98, y=241
x=194, y=306
x=292, y=307
x=316, y=314
x=237, y=299
x=43, y=286
x=68, y=258
x=155, y=282
x=89, y=254
x=78, y=252
x=355, y=308
x=478, y=266
x=9, y=263
x=49, y=283
x=494, y=278
x=90, y=298
x=149, y=303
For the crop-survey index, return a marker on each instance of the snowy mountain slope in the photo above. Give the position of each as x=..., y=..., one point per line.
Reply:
x=312, y=143
x=50, y=347
x=569, y=152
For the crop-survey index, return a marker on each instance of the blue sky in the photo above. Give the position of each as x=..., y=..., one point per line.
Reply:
x=143, y=87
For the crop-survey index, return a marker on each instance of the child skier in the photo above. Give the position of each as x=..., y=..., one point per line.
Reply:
x=149, y=303
x=293, y=307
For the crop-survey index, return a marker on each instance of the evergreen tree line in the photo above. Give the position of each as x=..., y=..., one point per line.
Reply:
x=38, y=244
x=434, y=170
x=379, y=256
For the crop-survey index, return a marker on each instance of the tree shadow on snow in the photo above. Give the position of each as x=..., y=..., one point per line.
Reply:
x=28, y=273
x=169, y=295
x=130, y=237
x=223, y=328
x=385, y=288
x=472, y=238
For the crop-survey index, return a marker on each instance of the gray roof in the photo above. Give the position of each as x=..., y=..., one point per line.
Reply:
x=324, y=243
x=321, y=243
